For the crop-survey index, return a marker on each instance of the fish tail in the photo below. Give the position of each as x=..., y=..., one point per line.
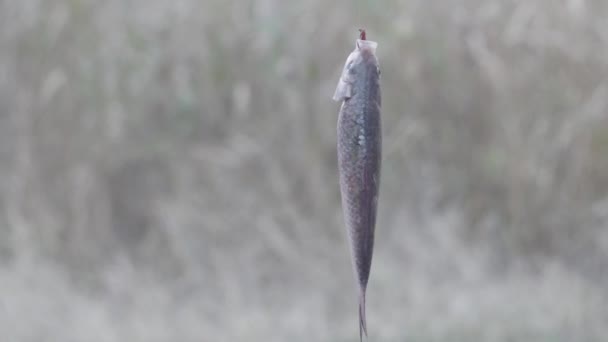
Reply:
x=362, y=322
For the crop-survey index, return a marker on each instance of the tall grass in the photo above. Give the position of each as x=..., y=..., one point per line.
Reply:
x=168, y=171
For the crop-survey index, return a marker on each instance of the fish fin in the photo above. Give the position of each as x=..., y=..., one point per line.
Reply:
x=344, y=90
x=362, y=322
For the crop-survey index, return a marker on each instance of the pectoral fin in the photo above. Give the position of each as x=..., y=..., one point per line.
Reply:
x=344, y=90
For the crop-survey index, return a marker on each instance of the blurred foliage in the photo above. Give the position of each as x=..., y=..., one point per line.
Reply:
x=175, y=162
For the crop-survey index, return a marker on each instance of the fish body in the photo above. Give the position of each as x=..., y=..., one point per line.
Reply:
x=359, y=158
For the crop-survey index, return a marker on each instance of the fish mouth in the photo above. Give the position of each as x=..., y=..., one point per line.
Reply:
x=368, y=45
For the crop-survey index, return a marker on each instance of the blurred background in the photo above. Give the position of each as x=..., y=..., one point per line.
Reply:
x=168, y=171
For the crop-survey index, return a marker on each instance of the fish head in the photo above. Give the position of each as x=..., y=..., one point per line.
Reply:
x=361, y=64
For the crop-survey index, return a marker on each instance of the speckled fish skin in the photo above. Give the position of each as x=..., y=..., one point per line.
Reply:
x=359, y=158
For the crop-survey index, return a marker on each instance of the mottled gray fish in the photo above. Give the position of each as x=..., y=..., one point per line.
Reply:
x=359, y=157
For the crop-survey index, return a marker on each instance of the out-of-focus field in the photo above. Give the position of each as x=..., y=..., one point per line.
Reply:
x=168, y=171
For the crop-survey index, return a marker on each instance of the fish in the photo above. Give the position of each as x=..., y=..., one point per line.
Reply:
x=359, y=147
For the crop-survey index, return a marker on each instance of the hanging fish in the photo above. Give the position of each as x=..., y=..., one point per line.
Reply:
x=359, y=157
